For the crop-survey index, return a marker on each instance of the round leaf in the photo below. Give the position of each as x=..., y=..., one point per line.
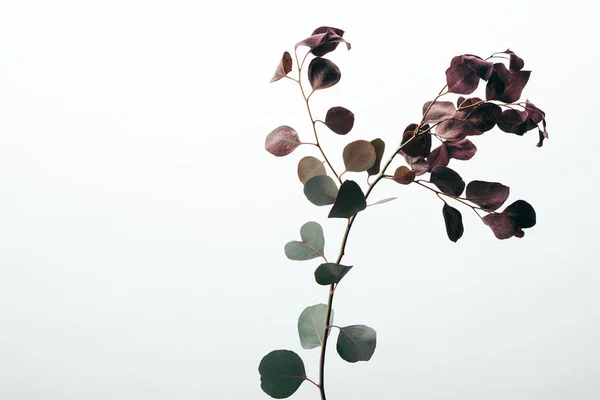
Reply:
x=323, y=73
x=447, y=180
x=281, y=373
x=282, y=141
x=311, y=325
x=320, y=190
x=311, y=246
x=329, y=273
x=403, y=175
x=310, y=166
x=522, y=213
x=453, y=221
x=488, y=195
x=502, y=226
x=439, y=111
x=350, y=200
x=340, y=120
x=356, y=343
x=359, y=156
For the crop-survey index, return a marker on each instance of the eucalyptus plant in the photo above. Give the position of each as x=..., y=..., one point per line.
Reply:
x=452, y=125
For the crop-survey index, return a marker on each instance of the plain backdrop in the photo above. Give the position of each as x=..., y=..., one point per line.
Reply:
x=142, y=223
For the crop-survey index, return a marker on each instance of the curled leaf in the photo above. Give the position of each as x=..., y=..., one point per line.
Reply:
x=282, y=141
x=505, y=85
x=284, y=67
x=379, y=146
x=323, y=40
x=340, y=120
x=323, y=73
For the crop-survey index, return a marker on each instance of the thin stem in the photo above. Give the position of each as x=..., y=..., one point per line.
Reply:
x=311, y=381
x=459, y=199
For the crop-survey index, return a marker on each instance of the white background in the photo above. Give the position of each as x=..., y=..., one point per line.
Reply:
x=142, y=224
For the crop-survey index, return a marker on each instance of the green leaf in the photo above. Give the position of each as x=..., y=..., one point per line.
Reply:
x=310, y=166
x=311, y=246
x=329, y=273
x=359, y=156
x=349, y=201
x=320, y=190
x=379, y=146
x=356, y=343
x=281, y=373
x=311, y=325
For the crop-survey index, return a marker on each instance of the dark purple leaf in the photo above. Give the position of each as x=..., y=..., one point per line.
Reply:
x=359, y=156
x=439, y=111
x=282, y=141
x=310, y=166
x=284, y=67
x=323, y=73
x=418, y=164
x=403, y=175
x=505, y=85
x=453, y=221
x=488, y=195
x=379, y=146
x=482, y=117
x=438, y=157
x=333, y=37
x=535, y=114
x=350, y=200
x=522, y=213
x=447, y=180
x=461, y=150
x=340, y=120
x=516, y=62
x=513, y=121
x=464, y=73
x=454, y=129
x=502, y=226
x=420, y=146
x=482, y=68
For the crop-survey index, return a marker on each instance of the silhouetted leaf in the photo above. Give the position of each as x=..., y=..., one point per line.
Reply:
x=311, y=325
x=439, y=111
x=488, y=195
x=282, y=141
x=379, y=146
x=310, y=166
x=281, y=373
x=438, y=157
x=350, y=200
x=340, y=120
x=382, y=201
x=323, y=73
x=522, y=213
x=502, y=226
x=505, y=85
x=284, y=67
x=320, y=190
x=461, y=150
x=447, y=180
x=403, y=175
x=359, y=156
x=356, y=343
x=311, y=246
x=453, y=221
x=329, y=273
x=420, y=146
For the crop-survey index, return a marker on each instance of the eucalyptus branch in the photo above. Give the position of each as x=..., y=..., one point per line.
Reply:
x=283, y=371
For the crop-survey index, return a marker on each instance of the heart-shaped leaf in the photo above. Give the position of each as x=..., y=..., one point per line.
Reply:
x=284, y=67
x=379, y=146
x=282, y=141
x=340, y=120
x=311, y=325
x=311, y=246
x=310, y=166
x=350, y=200
x=320, y=190
x=356, y=343
x=329, y=273
x=359, y=156
x=488, y=195
x=447, y=180
x=323, y=73
x=453, y=221
x=281, y=373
